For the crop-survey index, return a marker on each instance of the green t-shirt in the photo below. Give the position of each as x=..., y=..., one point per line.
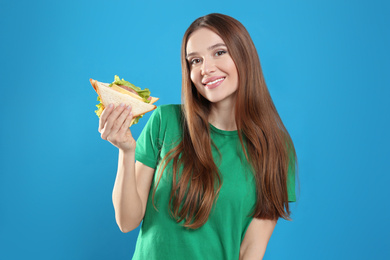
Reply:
x=220, y=237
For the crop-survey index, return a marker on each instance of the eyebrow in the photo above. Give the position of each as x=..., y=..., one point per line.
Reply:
x=209, y=49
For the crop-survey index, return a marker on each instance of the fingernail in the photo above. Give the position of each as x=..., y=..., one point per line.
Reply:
x=110, y=105
x=128, y=107
x=122, y=104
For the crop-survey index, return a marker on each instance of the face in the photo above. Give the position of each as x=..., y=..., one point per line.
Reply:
x=212, y=70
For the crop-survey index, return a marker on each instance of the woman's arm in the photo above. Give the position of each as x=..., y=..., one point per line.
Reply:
x=131, y=191
x=132, y=182
x=256, y=239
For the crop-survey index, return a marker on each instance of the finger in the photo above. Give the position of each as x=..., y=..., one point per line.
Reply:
x=119, y=122
x=126, y=123
x=111, y=119
x=103, y=117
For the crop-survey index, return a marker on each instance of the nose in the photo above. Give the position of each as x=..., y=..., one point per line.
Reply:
x=208, y=66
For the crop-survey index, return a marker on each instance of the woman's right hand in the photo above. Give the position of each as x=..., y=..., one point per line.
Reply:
x=114, y=127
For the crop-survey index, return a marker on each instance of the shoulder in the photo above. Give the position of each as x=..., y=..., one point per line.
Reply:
x=168, y=114
x=163, y=125
x=171, y=109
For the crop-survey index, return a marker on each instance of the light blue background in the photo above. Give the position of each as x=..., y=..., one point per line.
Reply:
x=326, y=64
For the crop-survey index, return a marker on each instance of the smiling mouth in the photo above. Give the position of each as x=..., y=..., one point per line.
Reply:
x=214, y=81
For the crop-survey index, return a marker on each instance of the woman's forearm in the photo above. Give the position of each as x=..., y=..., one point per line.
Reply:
x=256, y=239
x=125, y=197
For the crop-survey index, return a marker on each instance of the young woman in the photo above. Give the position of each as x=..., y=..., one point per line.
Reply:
x=214, y=174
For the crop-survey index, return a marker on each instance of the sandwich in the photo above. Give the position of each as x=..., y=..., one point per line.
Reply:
x=122, y=91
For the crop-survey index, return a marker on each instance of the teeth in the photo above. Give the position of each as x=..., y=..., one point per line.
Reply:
x=215, y=81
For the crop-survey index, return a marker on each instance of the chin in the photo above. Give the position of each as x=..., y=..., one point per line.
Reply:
x=215, y=100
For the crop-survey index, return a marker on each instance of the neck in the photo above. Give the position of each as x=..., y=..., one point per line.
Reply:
x=222, y=116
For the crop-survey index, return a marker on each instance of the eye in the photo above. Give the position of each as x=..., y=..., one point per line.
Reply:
x=194, y=61
x=221, y=52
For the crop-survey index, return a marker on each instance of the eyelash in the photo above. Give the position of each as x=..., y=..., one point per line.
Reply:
x=192, y=62
x=218, y=53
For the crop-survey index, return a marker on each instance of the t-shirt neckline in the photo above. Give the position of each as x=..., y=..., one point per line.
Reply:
x=223, y=132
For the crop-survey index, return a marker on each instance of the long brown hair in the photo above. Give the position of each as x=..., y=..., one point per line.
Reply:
x=269, y=148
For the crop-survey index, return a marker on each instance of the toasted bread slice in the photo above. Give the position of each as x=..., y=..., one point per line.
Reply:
x=112, y=96
x=154, y=99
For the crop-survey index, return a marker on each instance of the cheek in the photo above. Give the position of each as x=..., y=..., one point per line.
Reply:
x=232, y=68
x=195, y=80
x=233, y=72
x=194, y=76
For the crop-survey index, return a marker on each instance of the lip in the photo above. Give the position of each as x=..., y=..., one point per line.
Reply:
x=216, y=84
x=207, y=80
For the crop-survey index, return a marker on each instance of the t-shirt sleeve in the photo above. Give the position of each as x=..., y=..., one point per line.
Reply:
x=291, y=179
x=148, y=148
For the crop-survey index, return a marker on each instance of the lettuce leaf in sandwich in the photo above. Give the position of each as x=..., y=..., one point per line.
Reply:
x=144, y=94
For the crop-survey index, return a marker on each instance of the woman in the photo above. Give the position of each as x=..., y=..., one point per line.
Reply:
x=212, y=175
